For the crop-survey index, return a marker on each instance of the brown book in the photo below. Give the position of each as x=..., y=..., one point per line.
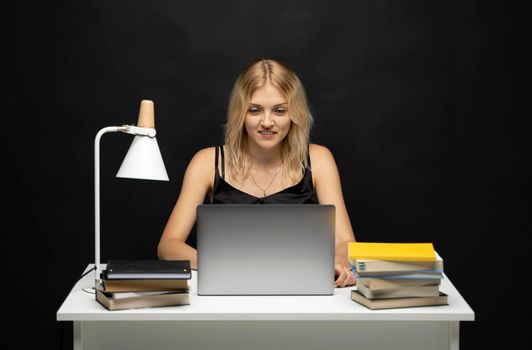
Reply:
x=139, y=300
x=404, y=292
x=378, y=284
x=394, y=303
x=145, y=285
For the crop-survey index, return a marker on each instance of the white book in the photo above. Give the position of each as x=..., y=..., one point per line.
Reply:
x=390, y=267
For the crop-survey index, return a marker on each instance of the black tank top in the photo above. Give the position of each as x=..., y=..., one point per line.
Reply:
x=224, y=193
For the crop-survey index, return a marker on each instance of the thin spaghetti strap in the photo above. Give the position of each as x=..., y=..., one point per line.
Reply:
x=223, y=161
x=308, y=157
x=216, y=158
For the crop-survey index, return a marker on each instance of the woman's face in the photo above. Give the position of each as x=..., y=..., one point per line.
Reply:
x=267, y=119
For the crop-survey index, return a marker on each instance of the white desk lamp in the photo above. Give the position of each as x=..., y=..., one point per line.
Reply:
x=143, y=161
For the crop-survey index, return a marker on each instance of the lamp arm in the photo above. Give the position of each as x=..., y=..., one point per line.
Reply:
x=97, y=195
x=130, y=129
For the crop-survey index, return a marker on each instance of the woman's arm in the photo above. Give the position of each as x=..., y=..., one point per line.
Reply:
x=329, y=191
x=197, y=182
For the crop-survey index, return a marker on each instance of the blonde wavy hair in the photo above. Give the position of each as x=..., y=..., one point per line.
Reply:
x=295, y=144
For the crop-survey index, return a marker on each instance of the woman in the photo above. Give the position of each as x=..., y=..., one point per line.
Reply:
x=266, y=159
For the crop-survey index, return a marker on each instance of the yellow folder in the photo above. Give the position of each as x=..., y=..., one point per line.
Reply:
x=391, y=251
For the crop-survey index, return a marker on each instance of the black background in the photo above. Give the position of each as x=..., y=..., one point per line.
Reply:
x=422, y=103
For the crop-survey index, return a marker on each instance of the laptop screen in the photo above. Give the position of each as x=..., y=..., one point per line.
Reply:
x=265, y=249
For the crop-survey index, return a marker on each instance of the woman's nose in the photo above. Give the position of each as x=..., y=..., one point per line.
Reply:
x=266, y=120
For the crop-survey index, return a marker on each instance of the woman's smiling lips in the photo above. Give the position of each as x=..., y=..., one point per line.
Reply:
x=267, y=134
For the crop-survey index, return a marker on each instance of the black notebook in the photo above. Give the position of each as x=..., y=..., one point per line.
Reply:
x=147, y=269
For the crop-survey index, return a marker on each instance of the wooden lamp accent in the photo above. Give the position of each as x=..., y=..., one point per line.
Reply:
x=146, y=115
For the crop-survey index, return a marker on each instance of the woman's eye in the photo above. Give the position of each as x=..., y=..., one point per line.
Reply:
x=254, y=110
x=280, y=111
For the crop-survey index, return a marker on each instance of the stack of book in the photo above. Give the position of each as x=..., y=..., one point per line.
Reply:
x=133, y=284
x=396, y=275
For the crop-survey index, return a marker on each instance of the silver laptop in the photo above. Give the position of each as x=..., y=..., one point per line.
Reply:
x=275, y=249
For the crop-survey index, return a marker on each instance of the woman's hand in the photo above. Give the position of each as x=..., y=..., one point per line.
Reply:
x=344, y=275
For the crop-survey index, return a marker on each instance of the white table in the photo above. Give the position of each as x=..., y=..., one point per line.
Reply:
x=264, y=322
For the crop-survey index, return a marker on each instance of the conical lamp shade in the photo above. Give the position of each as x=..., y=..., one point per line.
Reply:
x=143, y=160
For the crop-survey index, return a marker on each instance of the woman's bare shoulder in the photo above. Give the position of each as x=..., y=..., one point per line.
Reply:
x=324, y=169
x=322, y=163
x=320, y=154
x=205, y=153
x=202, y=163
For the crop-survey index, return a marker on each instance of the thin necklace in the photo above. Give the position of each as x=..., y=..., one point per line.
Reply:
x=265, y=189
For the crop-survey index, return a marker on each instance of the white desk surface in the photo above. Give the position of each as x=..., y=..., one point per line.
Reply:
x=82, y=306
